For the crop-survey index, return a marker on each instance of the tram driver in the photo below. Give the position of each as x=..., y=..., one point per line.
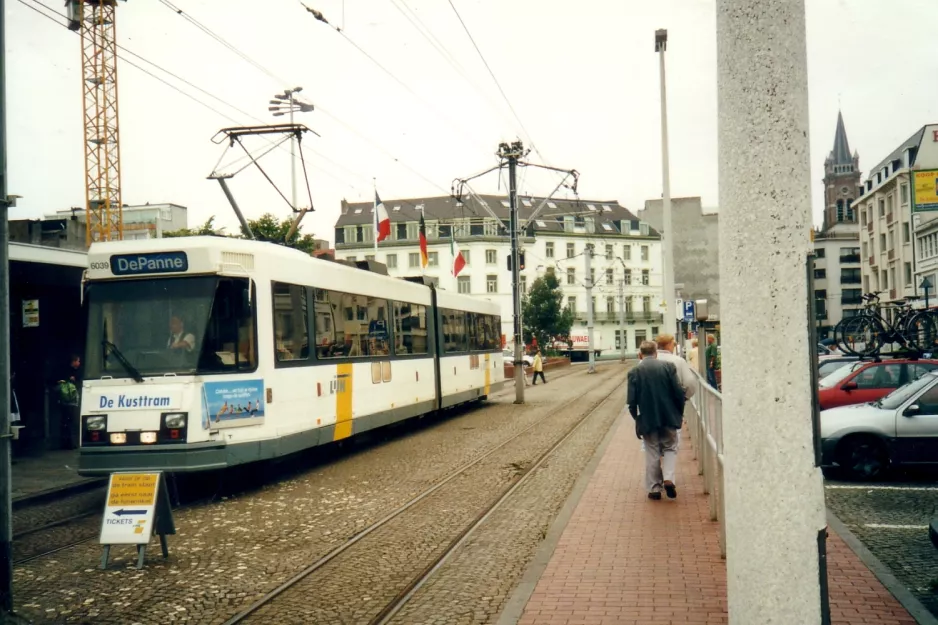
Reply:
x=179, y=339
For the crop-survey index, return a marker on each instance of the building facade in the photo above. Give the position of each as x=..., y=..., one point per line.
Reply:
x=837, y=276
x=696, y=247
x=149, y=221
x=888, y=228
x=626, y=254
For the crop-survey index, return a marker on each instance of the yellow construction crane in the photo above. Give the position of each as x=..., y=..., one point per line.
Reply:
x=94, y=19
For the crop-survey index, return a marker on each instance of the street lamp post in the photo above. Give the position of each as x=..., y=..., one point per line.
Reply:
x=926, y=286
x=286, y=104
x=667, y=237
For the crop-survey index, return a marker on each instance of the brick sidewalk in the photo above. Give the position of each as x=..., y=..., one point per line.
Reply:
x=605, y=569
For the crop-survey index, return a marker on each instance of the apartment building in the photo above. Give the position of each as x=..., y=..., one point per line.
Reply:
x=888, y=225
x=625, y=250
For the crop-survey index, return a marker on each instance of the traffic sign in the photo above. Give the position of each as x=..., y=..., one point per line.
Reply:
x=679, y=309
x=689, y=312
x=137, y=506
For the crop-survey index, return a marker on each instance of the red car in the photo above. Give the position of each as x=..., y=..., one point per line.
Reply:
x=862, y=382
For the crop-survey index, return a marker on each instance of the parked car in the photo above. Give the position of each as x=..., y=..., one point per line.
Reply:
x=509, y=355
x=862, y=382
x=898, y=429
x=829, y=364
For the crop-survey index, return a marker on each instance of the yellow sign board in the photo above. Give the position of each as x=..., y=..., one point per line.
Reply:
x=925, y=190
x=133, y=489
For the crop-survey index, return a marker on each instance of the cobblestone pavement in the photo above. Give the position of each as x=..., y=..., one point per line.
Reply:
x=360, y=582
x=228, y=554
x=891, y=520
x=474, y=584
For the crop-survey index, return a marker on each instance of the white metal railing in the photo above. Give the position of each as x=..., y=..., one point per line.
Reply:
x=706, y=433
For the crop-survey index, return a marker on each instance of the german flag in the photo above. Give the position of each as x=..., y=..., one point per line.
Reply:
x=424, y=258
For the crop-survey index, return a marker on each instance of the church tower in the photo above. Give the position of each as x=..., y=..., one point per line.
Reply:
x=841, y=180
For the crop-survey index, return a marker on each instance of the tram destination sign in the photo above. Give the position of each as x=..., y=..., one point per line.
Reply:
x=158, y=262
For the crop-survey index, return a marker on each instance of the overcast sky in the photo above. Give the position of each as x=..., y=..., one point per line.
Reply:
x=582, y=77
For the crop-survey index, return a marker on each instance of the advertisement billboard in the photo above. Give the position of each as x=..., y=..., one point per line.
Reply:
x=925, y=190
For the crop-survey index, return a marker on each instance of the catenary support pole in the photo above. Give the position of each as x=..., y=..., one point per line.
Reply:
x=667, y=238
x=773, y=491
x=512, y=154
x=588, y=257
x=6, y=484
x=622, y=320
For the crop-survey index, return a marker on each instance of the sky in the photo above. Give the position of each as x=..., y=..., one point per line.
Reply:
x=581, y=85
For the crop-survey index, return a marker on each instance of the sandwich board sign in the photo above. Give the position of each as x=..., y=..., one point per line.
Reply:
x=137, y=506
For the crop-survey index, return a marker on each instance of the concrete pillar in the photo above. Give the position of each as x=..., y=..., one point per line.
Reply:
x=774, y=493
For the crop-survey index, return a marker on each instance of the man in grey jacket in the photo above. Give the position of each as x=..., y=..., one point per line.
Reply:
x=656, y=402
x=667, y=351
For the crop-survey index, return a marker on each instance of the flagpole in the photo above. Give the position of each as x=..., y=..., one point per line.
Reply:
x=374, y=186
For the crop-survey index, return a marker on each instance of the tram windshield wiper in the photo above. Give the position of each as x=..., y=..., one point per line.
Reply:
x=132, y=370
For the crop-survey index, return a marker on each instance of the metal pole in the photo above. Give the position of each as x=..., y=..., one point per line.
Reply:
x=622, y=320
x=512, y=154
x=292, y=152
x=6, y=483
x=667, y=237
x=589, y=306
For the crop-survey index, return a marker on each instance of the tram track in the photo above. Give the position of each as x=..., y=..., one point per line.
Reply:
x=522, y=473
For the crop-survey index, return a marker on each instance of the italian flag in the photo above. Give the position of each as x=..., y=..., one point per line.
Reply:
x=458, y=261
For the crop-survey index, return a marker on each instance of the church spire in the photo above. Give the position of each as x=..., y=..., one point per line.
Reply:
x=840, y=155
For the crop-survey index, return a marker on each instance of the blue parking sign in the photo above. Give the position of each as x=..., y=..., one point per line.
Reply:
x=689, y=316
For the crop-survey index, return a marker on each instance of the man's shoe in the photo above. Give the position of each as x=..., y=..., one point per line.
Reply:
x=656, y=496
x=670, y=490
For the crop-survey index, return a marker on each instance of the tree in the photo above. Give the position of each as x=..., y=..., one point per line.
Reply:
x=269, y=228
x=543, y=312
x=206, y=229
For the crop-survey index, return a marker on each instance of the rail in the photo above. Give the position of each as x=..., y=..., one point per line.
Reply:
x=706, y=433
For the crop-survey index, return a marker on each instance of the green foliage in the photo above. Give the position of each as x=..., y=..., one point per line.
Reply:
x=266, y=228
x=544, y=315
x=206, y=229
x=269, y=228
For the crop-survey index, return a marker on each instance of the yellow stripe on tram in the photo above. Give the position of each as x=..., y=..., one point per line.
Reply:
x=343, y=402
x=488, y=374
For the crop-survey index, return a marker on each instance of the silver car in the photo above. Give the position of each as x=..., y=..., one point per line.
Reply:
x=509, y=356
x=899, y=429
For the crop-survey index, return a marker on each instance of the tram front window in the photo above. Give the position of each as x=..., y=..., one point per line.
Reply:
x=170, y=326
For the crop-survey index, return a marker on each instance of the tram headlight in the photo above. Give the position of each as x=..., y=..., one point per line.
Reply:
x=96, y=422
x=175, y=420
x=118, y=438
x=147, y=437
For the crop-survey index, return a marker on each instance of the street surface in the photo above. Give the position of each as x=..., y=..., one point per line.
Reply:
x=229, y=553
x=891, y=519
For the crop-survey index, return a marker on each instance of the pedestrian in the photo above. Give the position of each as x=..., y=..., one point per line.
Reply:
x=711, y=360
x=692, y=356
x=538, y=367
x=666, y=352
x=656, y=402
x=68, y=387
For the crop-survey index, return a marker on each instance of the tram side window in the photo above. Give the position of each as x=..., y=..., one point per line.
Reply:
x=291, y=337
x=455, y=336
x=350, y=325
x=483, y=332
x=410, y=329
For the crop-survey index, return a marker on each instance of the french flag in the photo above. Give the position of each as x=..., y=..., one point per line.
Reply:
x=381, y=218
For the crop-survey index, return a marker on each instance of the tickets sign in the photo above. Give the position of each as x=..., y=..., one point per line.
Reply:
x=128, y=512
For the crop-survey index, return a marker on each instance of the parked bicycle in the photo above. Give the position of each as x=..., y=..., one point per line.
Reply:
x=869, y=331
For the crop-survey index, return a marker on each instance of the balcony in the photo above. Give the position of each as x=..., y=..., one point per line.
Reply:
x=613, y=317
x=889, y=217
x=892, y=294
x=869, y=226
x=849, y=300
x=872, y=261
x=891, y=255
x=849, y=258
x=847, y=279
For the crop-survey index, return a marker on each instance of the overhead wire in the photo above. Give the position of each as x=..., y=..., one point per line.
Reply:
x=219, y=39
x=190, y=96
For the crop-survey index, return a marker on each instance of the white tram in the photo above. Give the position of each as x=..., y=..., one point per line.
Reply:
x=207, y=352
